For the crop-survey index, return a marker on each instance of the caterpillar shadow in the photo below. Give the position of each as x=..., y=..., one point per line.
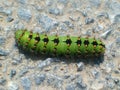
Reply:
x=86, y=60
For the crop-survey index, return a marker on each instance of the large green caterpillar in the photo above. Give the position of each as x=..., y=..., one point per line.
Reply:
x=59, y=45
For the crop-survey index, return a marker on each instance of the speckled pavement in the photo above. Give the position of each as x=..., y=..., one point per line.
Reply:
x=93, y=18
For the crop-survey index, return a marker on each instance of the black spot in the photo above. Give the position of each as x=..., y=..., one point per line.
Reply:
x=86, y=42
x=46, y=40
x=94, y=43
x=30, y=36
x=56, y=40
x=68, y=41
x=102, y=45
x=79, y=42
x=37, y=39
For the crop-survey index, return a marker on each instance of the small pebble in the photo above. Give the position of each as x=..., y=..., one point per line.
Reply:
x=2, y=40
x=95, y=73
x=45, y=63
x=114, y=6
x=63, y=1
x=55, y=81
x=39, y=79
x=108, y=77
x=103, y=14
x=95, y=2
x=8, y=3
x=38, y=8
x=23, y=72
x=24, y=14
x=81, y=85
x=116, y=81
x=70, y=87
x=54, y=11
x=117, y=18
x=1, y=9
x=26, y=83
x=119, y=67
x=66, y=76
x=9, y=19
x=111, y=84
x=22, y=1
x=72, y=77
x=7, y=12
x=116, y=71
x=89, y=32
x=4, y=52
x=13, y=86
x=12, y=73
x=97, y=86
x=118, y=40
x=106, y=34
x=63, y=27
x=46, y=22
x=69, y=24
x=89, y=20
x=16, y=60
x=2, y=81
x=84, y=13
x=48, y=2
x=2, y=88
x=0, y=64
x=80, y=66
x=19, y=26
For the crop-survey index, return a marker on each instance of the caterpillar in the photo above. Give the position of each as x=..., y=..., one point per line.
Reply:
x=59, y=45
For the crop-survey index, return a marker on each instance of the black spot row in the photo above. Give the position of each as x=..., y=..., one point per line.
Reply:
x=68, y=41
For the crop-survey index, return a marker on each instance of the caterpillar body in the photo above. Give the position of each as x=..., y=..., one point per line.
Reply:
x=59, y=45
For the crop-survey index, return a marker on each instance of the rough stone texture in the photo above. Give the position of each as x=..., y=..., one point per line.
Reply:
x=26, y=83
x=2, y=40
x=2, y=81
x=80, y=66
x=13, y=86
x=70, y=87
x=39, y=79
x=21, y=70
x=46, y=22
x=24, y=14
x=12, y=73
x=45, y=63
x=3, y=52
